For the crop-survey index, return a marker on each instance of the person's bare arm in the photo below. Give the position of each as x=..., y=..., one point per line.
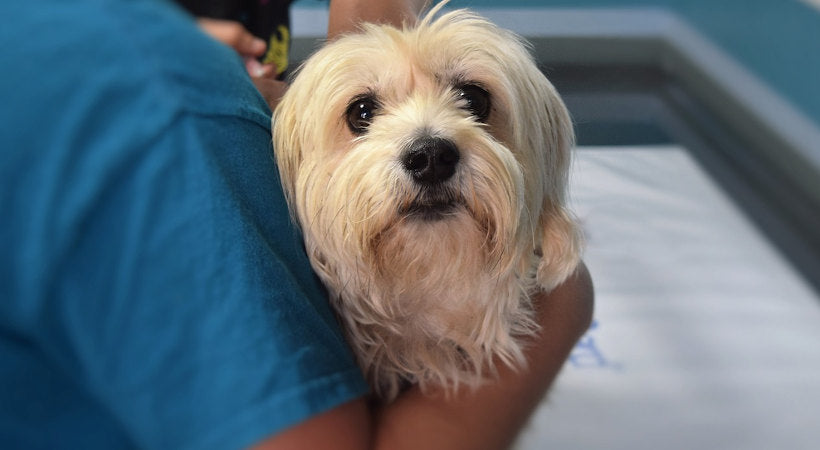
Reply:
x=345, y=15
x=487, y=418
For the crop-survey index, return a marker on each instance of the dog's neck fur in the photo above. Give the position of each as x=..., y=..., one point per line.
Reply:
x=428, y=319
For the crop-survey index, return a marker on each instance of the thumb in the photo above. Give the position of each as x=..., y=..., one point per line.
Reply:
x=250, y=45
x=234, y=35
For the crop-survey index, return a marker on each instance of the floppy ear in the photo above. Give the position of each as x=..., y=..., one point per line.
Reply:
x=560, y=235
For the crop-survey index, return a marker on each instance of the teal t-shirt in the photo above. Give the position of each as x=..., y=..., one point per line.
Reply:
x=153, y=290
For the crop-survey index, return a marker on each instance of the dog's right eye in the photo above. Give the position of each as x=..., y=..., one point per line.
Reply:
x=476, y=101
x=360, y=114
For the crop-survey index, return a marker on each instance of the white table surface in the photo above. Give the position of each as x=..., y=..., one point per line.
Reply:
x=704, y=336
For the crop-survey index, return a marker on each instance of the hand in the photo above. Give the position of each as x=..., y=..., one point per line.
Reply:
x=250, y=48
x=234, y=35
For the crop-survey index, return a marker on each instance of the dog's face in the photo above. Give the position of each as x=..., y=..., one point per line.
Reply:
x=394, y=143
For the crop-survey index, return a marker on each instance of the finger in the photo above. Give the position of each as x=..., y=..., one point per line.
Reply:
x=259, y=70
x=250, y=45
x=234, y=35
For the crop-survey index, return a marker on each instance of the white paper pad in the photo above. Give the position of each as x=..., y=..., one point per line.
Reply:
x=704, y=336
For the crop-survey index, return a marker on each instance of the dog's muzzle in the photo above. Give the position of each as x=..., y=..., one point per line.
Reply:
x=430, y=162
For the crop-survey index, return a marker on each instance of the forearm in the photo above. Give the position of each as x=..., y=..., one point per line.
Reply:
x=487, y=418
x=492, y=416
x=346, y=15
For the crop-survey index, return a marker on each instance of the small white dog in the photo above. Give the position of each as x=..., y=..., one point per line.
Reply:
x=427, y=168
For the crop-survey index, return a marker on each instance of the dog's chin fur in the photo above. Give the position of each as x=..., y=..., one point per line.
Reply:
x=432, y=284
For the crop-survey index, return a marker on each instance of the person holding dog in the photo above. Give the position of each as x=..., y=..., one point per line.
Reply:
x=155, y=291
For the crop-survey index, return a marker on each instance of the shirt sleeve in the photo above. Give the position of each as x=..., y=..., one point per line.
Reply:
x=188, y=308
x=154, y=290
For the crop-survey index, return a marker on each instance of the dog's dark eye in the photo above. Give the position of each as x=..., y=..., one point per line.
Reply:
x=475, y=100
x=360, y=114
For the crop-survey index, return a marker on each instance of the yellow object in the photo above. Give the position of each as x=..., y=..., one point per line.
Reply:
x=278, y=46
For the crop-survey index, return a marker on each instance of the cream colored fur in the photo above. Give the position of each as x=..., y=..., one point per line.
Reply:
x=430, y=302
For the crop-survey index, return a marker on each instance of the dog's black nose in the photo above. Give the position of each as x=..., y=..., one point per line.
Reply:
x=431, y=160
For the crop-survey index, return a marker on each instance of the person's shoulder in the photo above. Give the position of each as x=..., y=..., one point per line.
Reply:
x=145, y=53
x=93, y=89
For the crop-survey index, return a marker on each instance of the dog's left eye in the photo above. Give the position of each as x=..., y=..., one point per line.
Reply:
x=476, y=100
x=360, y=114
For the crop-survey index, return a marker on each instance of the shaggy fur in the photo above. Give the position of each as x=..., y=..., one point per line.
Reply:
x=431, y=300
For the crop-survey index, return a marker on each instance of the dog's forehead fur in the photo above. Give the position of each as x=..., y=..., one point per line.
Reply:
x=432, y=56
x=455, y=48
